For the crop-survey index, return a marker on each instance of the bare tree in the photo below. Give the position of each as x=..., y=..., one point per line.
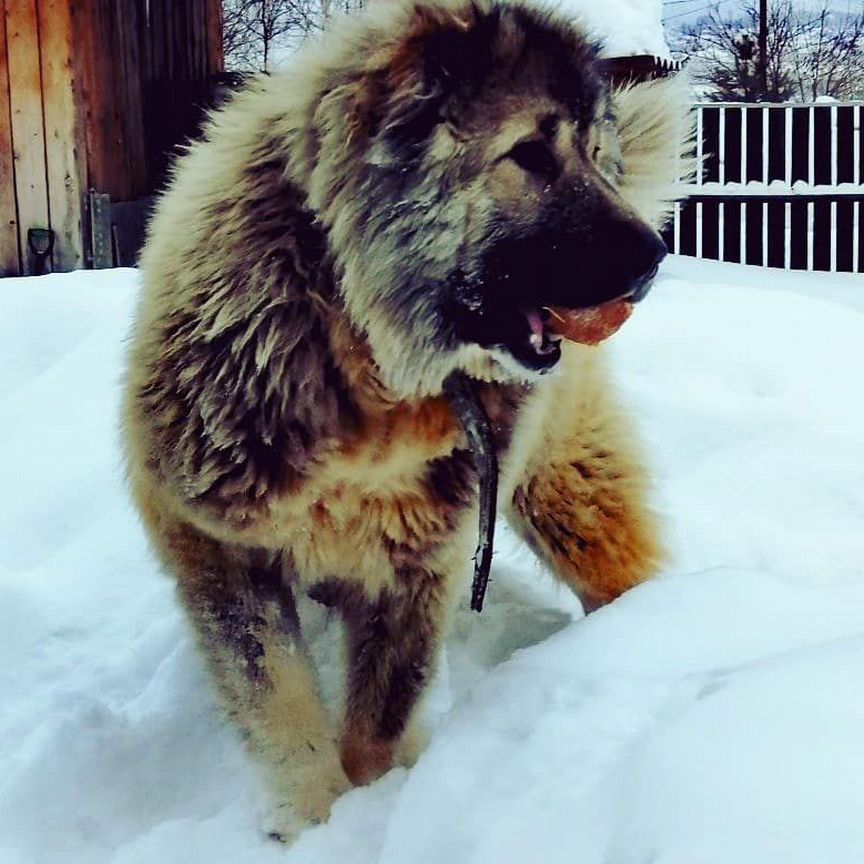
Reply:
x=829, y=57
x=810, y=53
x=257, y=32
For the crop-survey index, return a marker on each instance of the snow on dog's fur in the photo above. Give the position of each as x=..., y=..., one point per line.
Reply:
x=400, y=205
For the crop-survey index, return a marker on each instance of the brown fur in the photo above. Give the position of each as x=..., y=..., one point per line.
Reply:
x=284, y=425
x=579, y=497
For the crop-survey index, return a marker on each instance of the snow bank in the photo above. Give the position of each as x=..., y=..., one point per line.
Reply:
x=712, y=716
x=624, y=27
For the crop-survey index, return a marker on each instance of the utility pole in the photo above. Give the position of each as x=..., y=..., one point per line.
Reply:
x=763, y=47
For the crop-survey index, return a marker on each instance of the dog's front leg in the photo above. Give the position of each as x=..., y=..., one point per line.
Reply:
x=393, y=642
x=582, y=497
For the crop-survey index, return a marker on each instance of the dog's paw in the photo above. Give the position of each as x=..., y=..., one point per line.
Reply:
x=304, y=800
x=281, y=823
x=365, y=758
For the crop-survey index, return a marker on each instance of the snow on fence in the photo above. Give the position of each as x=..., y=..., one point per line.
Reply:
x=782, y=186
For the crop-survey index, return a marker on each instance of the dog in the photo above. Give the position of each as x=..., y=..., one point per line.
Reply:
x=402, y=204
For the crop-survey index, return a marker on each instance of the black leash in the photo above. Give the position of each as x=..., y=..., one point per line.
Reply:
x=459, y=389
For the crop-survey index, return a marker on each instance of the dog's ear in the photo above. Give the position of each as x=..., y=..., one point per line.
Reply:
x=656, y=133
x=443, y=48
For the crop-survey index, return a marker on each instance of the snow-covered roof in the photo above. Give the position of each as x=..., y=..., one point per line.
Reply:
x=625, y=27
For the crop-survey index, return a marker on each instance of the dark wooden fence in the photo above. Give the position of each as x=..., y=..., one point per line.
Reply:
x=782, y=186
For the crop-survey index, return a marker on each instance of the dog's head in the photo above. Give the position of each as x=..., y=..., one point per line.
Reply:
x=472, y=169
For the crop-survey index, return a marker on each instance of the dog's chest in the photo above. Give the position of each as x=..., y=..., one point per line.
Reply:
x=393, y=497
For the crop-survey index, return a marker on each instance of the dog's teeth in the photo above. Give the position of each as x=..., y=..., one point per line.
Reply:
x=535, y=325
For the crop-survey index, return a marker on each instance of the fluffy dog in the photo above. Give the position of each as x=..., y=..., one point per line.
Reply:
x=402, y=205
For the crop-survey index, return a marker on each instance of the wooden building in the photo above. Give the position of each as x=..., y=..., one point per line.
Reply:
x=94, y=96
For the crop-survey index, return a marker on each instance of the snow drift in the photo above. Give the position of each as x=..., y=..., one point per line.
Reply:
x=712, y=716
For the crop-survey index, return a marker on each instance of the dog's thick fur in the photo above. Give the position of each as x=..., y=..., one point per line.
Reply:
x=284, y=421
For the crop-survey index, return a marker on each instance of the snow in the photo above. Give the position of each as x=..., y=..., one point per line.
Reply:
x=713, y=715
x=776, y=189
x=625, y=27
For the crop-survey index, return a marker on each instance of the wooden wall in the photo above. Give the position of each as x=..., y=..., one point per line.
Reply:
x=183, y=50
x=40, y=173
x=94, y=95
x=141, y=97
x=9, y=251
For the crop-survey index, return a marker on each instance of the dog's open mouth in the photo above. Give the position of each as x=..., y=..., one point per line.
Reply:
x=539, y=347
x=545, y=327
x=532, y=332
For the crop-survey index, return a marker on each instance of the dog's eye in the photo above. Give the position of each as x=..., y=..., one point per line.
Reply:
x=536, y=158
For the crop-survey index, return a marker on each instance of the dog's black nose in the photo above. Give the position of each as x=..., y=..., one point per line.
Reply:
x=648, y=252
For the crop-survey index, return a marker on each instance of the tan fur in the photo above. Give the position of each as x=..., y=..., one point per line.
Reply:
x=579, y=492
x=284, y=423
x=656, y=131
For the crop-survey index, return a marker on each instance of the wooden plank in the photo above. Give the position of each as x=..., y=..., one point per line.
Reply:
x=96, y=88
x=115, y=142
x=195, y=24
x=86, y=61
x=10, y=253
x=172, y=85
x=215, y=60
x=63, y=142
x=129, y=28
x=122, y=158
x=28, y=137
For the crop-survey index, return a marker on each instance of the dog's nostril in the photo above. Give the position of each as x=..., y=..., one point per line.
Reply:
x=656, y=255
x=642, y=282
x=642, y=285
x=647, y=250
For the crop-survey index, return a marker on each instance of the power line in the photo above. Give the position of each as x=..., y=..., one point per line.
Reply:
x=690, y=12
x=704, y=8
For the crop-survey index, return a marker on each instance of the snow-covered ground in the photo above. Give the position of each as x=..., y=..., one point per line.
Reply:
x=713, y=716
